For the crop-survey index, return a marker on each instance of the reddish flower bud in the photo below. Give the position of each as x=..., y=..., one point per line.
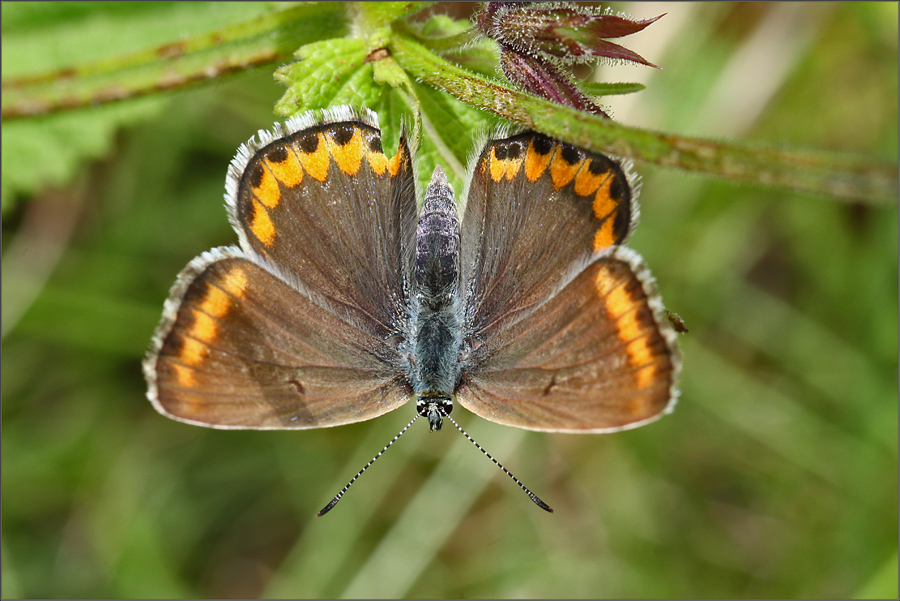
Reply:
x=564, y=32
x=538, y=40
x=541, y=78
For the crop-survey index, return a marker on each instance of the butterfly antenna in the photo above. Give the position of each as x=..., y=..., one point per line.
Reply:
x=338, y=496
x=531, y=495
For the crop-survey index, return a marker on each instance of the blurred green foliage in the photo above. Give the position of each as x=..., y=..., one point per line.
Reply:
x=775, y=477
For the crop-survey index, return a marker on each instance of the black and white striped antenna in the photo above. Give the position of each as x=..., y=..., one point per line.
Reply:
x=537, y=501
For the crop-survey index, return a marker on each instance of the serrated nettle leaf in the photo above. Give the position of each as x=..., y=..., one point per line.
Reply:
x=374, y=15
x=321, y=74
x=332, y=49
x=359, y=89
x=387, y=71
x=394, y=108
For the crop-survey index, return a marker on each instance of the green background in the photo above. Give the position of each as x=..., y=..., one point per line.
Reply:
x=775, y=477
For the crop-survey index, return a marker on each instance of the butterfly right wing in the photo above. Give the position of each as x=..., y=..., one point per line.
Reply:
x=597, y=356
x=563, y=328
x=535, y=207
x=240, y=348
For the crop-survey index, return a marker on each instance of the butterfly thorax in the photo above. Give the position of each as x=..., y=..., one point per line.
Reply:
x=434, y=361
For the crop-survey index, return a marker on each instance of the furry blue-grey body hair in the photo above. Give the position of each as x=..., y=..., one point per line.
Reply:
x=437, y=326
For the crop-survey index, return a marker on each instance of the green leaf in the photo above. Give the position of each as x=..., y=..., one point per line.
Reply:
x=451, y=130
x=329, y=72
x=48, y=49
x=50, y=151
x=599, y=88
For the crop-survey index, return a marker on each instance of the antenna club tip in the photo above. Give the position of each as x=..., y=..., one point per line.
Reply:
x=328, y=507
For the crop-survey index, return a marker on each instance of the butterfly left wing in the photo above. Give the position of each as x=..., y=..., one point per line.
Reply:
x=240, y=348
x=297, y=328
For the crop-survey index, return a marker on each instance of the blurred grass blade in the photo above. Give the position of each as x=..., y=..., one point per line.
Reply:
x=883, y=584
x=266, y=39
x=414, y=540
x=603, y=88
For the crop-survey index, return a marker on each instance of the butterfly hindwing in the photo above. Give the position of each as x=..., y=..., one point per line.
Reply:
x=240, y=348
x=596, y=356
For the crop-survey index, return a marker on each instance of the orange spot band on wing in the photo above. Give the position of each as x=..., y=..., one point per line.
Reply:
x=288, y=172
x=348, y=156
x=586, y=183
x=396, y=162
x=513, y=166
x=605, y=210
x=184, y=375
x=495, y=166
x=316, y=163
x=377, y=161
x=622, y=308
x=235, y=282
x=604, y=205
x=605, y=236
x=191, y=354
x=268, y=192
x=261, y=225
x=535, y=163
x=216, y=303
x=561, y=171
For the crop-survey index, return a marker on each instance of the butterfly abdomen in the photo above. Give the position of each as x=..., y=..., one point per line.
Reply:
x=437, y=245
x=437, y=329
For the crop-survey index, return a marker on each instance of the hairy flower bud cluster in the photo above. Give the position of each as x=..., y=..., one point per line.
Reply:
x=539, y=42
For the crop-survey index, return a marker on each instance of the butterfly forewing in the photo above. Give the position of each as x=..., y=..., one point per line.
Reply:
x=333, y=213
x=243, y=349
x=534, y=206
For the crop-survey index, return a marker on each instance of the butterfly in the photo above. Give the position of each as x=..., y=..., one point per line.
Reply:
x=344, y=300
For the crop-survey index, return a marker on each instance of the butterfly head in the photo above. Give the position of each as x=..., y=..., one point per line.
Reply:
x=435, y=407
